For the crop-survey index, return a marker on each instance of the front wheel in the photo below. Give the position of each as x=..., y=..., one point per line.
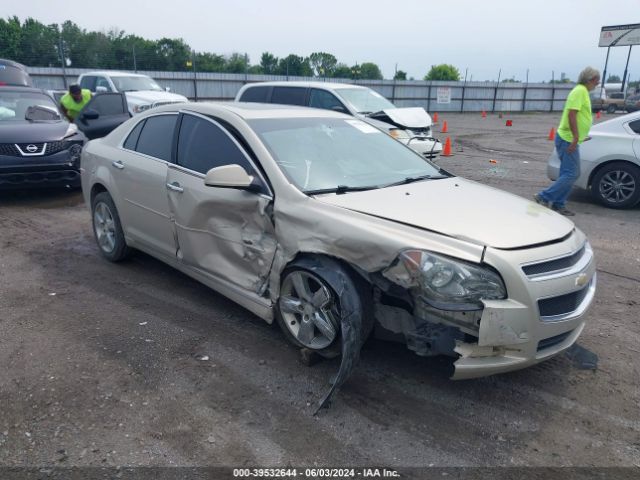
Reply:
x=107, y=228
x=617, y=185
x=611, y=109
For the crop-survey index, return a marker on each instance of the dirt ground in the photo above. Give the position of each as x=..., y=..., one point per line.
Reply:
x=135, y=364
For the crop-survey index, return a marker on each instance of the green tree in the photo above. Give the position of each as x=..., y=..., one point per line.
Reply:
x=342, y=70
x=174, y=53
x=614, y=79
x=443, y=72
x=237, y=63
x=510, y=80
x=268, y=63
x=294, y=66
x=10, y=36
x=39, y=44
x=370, y=71
x=400, y=75
x=323, y=64
x=210, y=62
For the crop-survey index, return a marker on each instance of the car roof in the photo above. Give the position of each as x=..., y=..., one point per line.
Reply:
x=111, y=73
x=249, y=111
x=322, y=85
x=11, y=63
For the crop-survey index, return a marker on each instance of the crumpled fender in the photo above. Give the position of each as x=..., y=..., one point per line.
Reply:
x=356, y=323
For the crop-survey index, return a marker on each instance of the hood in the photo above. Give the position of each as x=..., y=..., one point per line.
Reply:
x=461, y=209
x=25, y=132
x=152, y=96
x=414, y=117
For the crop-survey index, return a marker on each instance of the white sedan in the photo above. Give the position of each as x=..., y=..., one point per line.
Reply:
x=609, y=162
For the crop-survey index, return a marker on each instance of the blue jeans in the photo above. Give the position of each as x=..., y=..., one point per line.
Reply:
x=559, y=190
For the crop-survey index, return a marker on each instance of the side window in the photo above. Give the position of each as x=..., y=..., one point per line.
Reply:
x=326, y=100
x=88, y=82
x=635, y=126
x=108, y=104
x=202, y=145
x=132, y=139
x=103, y=82
x=255, y=94
x=289, y=95
x=157, y=136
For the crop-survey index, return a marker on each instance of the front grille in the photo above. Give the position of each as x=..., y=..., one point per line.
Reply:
x=562, y=304
x=554, y=265
x=551, y=341
x=35, y=178
x=55, y=147
x=9, y=149
x=31, y=149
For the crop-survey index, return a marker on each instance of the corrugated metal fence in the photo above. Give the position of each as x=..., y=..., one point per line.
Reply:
x=433, y=96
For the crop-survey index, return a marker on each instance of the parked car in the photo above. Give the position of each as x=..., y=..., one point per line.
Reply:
x=411, y=126
x=14, y=74
x=632, y=103
x=142, y=92
x=609, y=162
x=611, y=102
x=319, y=221
x=38, y=146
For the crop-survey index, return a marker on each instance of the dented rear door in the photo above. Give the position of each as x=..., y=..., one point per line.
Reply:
x=225, y=233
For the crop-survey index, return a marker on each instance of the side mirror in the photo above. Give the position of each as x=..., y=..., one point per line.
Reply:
x=90, y=114
x=229, y=176
x=167, y=89
x=101, y=89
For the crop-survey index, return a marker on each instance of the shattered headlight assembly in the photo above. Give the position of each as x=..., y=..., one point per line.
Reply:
x=74, y=154
x=450, y=284
x=399, y=134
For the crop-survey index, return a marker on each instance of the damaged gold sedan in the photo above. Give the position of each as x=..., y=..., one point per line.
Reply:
x=336, y=231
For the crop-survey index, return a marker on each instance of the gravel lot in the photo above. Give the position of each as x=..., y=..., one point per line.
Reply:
x=103, y=364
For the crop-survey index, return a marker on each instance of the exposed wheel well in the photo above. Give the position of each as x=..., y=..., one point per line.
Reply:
x=96, y=189
x=595, y=171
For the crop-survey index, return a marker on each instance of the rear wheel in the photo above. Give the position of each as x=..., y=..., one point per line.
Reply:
x=617, y=185
x=611, y=109
x=107, y=228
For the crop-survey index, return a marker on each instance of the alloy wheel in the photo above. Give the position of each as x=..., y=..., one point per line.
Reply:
x=617, y=186
x=104, y=226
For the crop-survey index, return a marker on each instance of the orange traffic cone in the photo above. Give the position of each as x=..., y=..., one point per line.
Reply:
x=552, y=133
x=484, y=114
x=444, y=127
x=509, y=123
x=446, y=152
x=435, y=117
x=598, y=115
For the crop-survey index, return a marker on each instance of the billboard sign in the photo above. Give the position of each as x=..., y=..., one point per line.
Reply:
x=444, y=95
x=620, y=35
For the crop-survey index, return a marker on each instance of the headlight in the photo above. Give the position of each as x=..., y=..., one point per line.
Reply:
x=450, y=284
x=399, y=134
x=74, y=153
x=141, y=108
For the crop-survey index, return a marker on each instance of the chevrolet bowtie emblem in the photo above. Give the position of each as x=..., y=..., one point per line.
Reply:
x=581, y=280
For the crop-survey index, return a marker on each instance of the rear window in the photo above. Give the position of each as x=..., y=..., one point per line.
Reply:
x=255, y=94
x=10, y=75
x=289, y=95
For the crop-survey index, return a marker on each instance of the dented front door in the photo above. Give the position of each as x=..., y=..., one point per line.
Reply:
x=225, y=233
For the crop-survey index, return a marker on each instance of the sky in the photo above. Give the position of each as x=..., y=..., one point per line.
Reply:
x=481, y=38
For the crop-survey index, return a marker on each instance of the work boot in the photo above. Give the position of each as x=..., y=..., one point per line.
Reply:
x=540, y=201
x=563, y=211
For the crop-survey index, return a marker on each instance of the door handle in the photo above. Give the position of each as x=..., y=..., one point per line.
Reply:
x=175, y=187
x=118, y=164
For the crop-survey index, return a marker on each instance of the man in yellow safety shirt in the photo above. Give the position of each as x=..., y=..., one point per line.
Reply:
x=572, y=131
x=73, y=101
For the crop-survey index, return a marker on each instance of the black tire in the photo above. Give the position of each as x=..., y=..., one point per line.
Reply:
x=617, y=185
x=611, y=109
x=107, y=228
x=319, y=273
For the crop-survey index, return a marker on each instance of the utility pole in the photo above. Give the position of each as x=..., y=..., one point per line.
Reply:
x=135, y=64
x=195, y=75
x=62, y=61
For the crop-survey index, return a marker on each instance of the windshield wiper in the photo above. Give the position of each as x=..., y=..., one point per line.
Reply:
x=415, y=179
x=341, y=189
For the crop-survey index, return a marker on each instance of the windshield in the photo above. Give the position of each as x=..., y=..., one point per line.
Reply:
x=364, y=101
x=130, y=84
x=14, y=105
x=334, y=153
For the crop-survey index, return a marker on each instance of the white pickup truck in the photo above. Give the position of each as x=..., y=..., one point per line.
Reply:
x=142, y=91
